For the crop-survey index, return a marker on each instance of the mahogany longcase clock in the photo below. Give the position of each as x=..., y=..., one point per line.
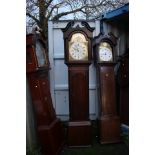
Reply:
x=78, y=54
x=104, y=54
x=50, y=132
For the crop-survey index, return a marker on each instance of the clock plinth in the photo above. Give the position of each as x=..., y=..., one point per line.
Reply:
x=51, y=138
x=109, y=129
x=79, y=133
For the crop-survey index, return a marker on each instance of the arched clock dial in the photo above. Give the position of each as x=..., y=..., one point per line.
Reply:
x=78, y=49
x=105, y=52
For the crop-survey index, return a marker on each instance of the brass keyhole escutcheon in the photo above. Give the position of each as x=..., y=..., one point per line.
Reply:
x=125, y=76
x=106, y=75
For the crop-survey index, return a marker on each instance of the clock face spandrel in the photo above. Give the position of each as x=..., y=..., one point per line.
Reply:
x=40, y=53
x=78, y=47
x=105, y=52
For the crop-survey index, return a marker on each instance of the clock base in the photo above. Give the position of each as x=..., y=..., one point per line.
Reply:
x=79, y=134
x=110, y=129
x=51, y=138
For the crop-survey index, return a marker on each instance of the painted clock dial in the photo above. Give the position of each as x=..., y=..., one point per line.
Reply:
x=78, y=47
x=105, y=52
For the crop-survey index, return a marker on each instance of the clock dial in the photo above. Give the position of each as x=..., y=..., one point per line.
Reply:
x=78, y=49
x=40, y=52
x=105, y=52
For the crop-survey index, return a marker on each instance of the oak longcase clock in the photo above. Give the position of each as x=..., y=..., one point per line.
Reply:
x=50, y=133
x=78, y=55
x=104, y=55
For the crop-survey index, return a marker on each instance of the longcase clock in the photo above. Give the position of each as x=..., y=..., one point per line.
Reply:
x=50, y=132
x=104, y=55
x=78, y=54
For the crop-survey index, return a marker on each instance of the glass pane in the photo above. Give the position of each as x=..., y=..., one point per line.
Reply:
x=40, y=52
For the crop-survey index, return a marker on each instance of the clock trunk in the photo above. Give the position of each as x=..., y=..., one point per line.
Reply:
x=79, y=128
x=109, y=121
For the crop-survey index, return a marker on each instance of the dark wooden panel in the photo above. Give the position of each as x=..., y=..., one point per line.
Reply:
x=30, y=59
x=50, y=140
x=107, y=90
x=40, y=106
x=109, y=121
x=110, y=129
x=79, y=93
x=79, y=133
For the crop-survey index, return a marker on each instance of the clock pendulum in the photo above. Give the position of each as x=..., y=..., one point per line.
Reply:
x=49, y=130
x=104, y=55
x=78, y=49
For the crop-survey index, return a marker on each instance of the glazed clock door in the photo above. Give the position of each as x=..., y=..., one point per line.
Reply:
x=79, y=93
